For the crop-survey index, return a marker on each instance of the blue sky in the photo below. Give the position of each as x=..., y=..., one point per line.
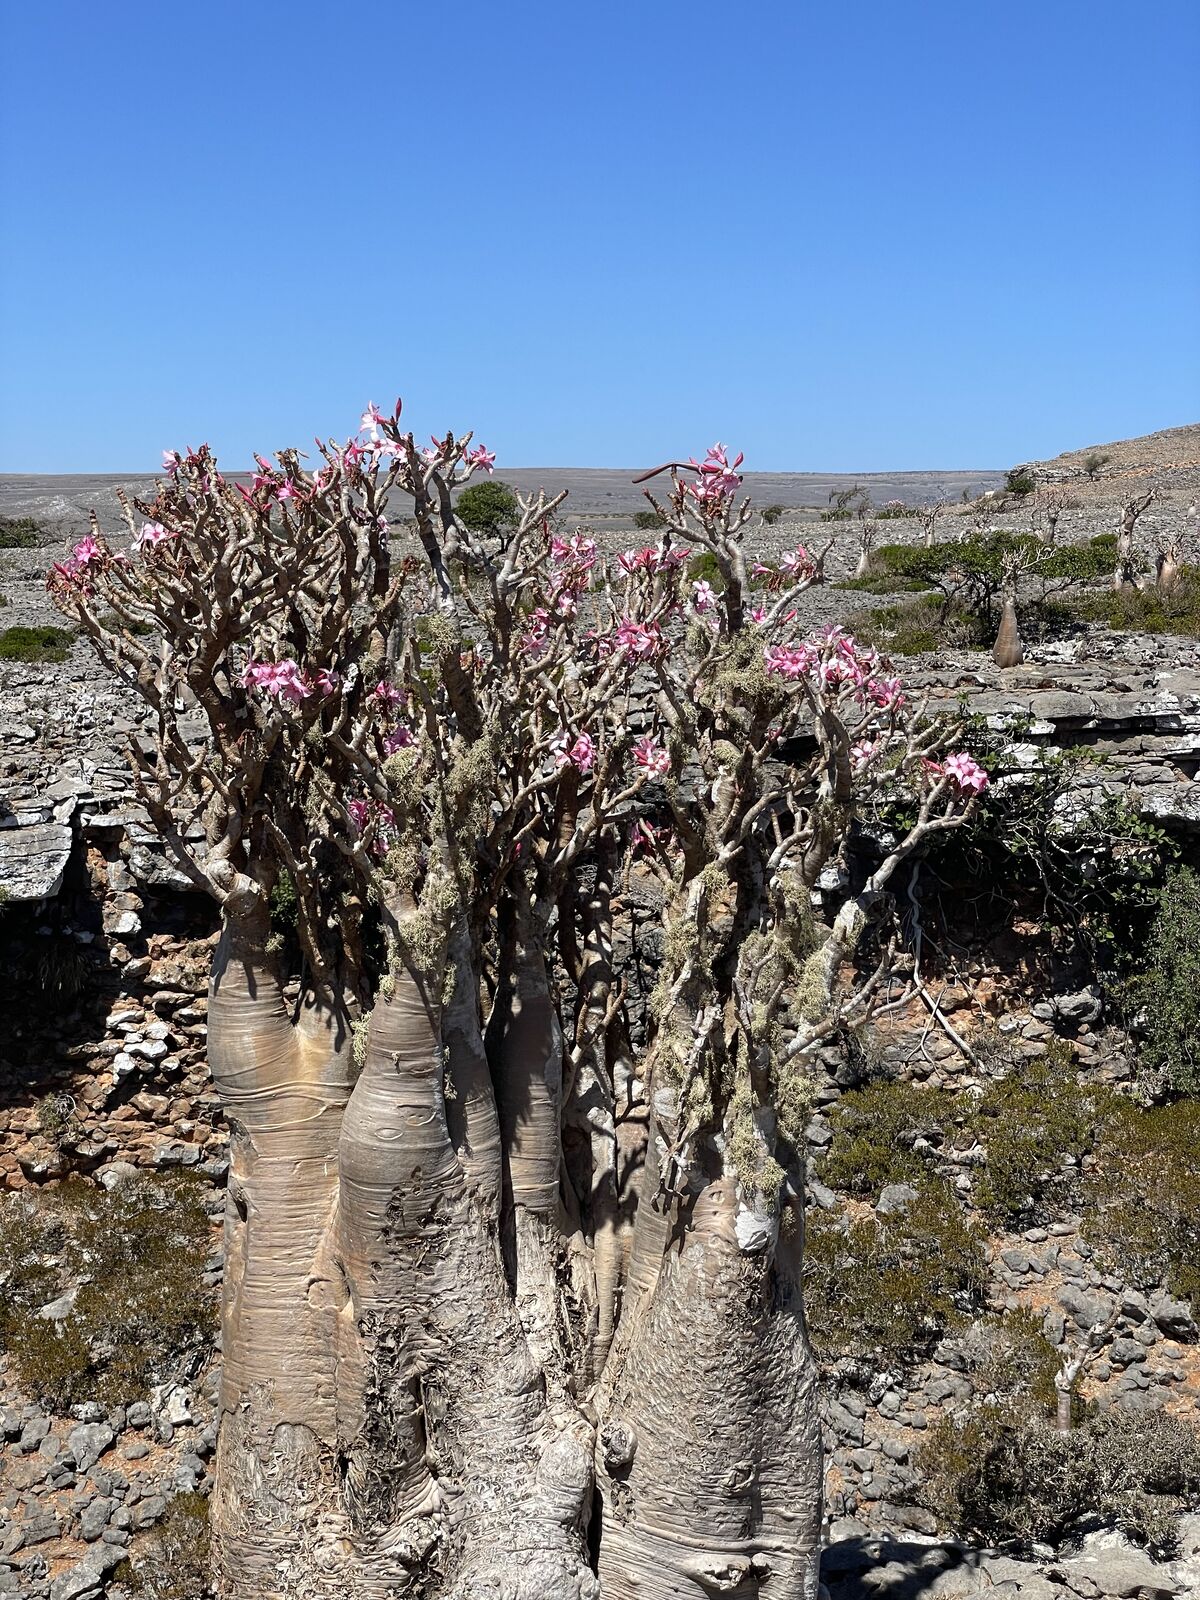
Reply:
x=841, y=236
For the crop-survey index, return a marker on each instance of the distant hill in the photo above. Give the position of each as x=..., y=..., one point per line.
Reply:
x=1171, y=456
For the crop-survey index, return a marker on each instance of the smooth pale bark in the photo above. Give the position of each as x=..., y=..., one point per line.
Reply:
x=283, y=1084
x=709, y=1446
x=1008, y=650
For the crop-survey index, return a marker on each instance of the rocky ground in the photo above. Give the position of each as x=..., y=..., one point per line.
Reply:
x=108, y=1077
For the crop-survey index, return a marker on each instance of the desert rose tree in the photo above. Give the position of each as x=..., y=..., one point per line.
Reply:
x=512, y=1300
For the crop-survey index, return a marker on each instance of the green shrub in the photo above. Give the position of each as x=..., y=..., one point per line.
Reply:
x=992, y=1478
x=874, y=1130
x=136, y=1255
x=704, y=566
x=1148, y=610
x=35, y=644
x=1029, y=1125
x=649, y=520
x=1091, y=883
x=773, y=514
x=1166, y=991
x=891, y=1283
x=173, y=1563
x=1014, y=1364
x=920, y=626
x=21, y=533
x=1142, y=1197
x=1019, y=481
x=1093, y=462
x=883, y=583
x=487, y=508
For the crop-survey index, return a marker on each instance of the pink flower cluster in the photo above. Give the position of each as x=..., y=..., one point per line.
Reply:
x=580, y=754
x=479, y=457
x=73, y=572
x=636, y=640
x=651, y=757
x=795, y=566
x=536, y=638
x=651, y=558
x=578, y=550
x=153, y=534
x=964, y=771
x=704, y=597
x=718, y=478
x=283, y=680
x=833, y=660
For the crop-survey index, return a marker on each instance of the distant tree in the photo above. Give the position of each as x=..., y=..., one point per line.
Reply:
x=1093, y=462
x=772, y=514
x=1019, y=481
x=1123, y=573
x=487, y=508
x=647, y=521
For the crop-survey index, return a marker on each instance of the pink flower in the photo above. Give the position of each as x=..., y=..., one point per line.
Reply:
x=170, y=461
x=641, y=641
x=398, y=739
x=387, y=694
x=758, y=615
x=581, y=754
x=579, y=549
x=153, y=533
x=886, y=693
x=797, y=563
x=479, y=457
x=863, y=753
x=281, y=679
x=564, y=603
x=651, y=757
x=87, y=550
x=370, y=420
x=783, y=661
x=285, y=491
x=704, y=596
x=718, y=478
x=966, y=772
x=326, y=681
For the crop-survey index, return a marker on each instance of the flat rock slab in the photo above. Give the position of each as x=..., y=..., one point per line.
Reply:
x=33, y=860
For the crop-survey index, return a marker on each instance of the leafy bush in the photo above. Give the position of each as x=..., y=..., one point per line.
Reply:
x=21, y=533
x=649, y=520
x=135, y=1255
x=1091, y=880
x=1093, y=462
x=891, y=1283
x=874, y=1131
x=995, y=1479
x=173, y=1563
x=1032, y=1125
x=35, y=644
x=1142, y=1199
x=772, y=514
x=1166, y=992
x=919, y=626
x=487, y=507
x=1019, y=481
x=1148, y=610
